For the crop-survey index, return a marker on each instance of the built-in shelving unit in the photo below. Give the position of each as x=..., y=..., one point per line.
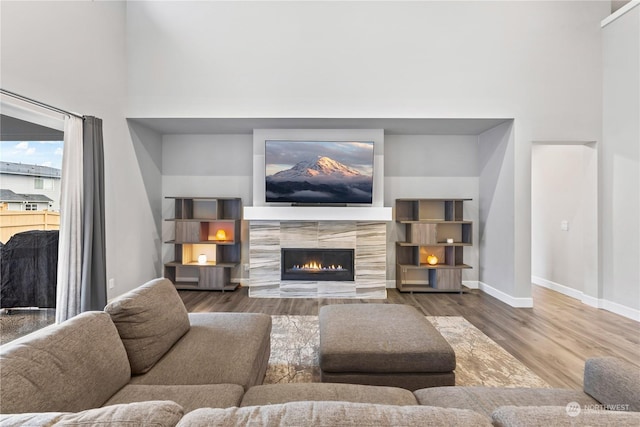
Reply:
x=431, y=258
x=205, y=227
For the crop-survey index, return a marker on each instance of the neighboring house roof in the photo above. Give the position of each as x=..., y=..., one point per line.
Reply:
x=10, y=196
x=30, y=170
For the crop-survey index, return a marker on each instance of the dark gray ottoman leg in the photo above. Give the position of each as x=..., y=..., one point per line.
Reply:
x=383, y=344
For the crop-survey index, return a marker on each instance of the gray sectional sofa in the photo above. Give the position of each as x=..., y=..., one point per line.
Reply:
x=146, y=361
x=144, y=346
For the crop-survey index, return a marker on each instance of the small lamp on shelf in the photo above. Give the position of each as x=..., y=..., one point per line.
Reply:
x=202, y=259
x=221, y=234
x=432, y=259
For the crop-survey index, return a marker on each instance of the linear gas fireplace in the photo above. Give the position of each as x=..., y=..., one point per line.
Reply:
x=317, y=264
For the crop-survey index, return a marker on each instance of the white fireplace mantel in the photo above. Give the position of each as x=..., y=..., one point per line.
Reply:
x=316, y=213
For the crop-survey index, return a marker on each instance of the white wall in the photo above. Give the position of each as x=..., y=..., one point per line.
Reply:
x=147, y=146
x=73, y=55
x=559, y=257
x=433, y=166
x=538, y=62
x=620, y=165
x=369, y=59
x=497, y=212
x=207, y=166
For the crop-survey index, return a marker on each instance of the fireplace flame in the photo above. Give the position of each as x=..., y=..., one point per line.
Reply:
x=316, y=266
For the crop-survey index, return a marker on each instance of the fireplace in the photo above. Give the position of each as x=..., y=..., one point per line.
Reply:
x=317, y=264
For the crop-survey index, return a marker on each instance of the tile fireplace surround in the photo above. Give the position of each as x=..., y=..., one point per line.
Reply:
x=267, y=238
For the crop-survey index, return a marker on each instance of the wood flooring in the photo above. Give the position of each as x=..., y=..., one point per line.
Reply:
x=553, y=338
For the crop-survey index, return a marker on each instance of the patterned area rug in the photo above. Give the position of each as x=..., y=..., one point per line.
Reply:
x=480, y=361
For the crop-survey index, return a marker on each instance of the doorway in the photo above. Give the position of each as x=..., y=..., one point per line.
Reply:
x=30, y=172
x=564, y=213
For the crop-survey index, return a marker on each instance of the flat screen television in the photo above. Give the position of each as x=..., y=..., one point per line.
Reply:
x=319, y=172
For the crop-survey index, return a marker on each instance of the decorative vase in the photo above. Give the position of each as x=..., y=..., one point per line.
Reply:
x=432, y=259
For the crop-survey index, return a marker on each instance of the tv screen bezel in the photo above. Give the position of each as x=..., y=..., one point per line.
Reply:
x=298, y=202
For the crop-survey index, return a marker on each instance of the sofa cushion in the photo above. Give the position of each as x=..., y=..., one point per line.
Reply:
x=190, y=397
x=44, y=419
x=231, y=348
x=487, y=399
x=150, y=319
x=333, y=414
x=153, y=413
x=613, y=382
x=73, y=366
x=283, y=393
x=554, y=416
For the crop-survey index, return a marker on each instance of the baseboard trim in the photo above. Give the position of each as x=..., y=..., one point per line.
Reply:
x=565, y=290
x=506, y=298
x=614, y=307
x=471, y=284
x=624, y=311
x=590, y=301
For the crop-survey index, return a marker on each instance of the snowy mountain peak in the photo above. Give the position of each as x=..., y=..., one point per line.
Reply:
x=321, y=167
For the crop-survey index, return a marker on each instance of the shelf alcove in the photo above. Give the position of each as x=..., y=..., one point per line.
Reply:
x=422, y=157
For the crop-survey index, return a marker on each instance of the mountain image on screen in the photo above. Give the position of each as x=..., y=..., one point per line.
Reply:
x=321, y=180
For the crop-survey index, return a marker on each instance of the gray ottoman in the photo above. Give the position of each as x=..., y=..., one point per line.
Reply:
x=383, y=344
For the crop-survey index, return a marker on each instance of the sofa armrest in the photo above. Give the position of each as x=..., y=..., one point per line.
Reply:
x=613, y=382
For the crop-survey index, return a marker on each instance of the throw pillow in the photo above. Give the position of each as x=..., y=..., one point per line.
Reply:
x=150, y=320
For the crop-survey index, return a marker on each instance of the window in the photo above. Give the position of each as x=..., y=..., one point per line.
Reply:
x=32, y=169
x=43, y=184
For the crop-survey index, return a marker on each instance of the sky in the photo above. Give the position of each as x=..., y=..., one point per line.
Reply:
x=42, y=153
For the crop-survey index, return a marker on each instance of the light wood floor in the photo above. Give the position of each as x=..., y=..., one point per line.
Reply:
x=553, y=338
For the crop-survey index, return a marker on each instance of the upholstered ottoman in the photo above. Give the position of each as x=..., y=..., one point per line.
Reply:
x=383, y=344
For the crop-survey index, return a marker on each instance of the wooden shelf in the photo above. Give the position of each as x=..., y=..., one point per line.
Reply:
x=208, y=264
x=409, y=244
x=432, y=200
x=426, y=289
x=435, y=267
x=428, y=224
x=433, y=221
x=186, y=286
x=197, y=222
x=204, y=242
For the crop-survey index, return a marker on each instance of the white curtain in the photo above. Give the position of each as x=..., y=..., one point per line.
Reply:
x=71, y=214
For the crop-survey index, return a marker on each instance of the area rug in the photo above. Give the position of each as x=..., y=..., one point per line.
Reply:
x=480, y=361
